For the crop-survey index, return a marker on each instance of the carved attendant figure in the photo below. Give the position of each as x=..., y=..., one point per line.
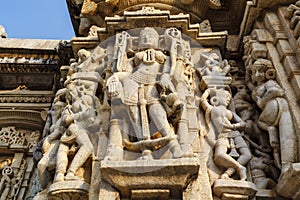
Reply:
x=275, y=116
x=77, y=119
x=228, y=135
x=51, y=142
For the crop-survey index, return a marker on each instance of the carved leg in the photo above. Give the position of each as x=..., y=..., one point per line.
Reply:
x=274, y=142
x=135, y=120
x=221, y=158
x=228, y=173
x=115, y=147
x=287, y=140
x=159, y=117
x=184, y=139
x=61, y=162
x=42, y=169
x=85, y=151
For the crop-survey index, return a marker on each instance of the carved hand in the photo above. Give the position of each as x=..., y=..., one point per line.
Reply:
x=46, y=145
x=114, y=86
x=69, y=120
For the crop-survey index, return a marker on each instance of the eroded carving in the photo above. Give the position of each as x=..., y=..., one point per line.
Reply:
x=12, y=179
x=275, y=116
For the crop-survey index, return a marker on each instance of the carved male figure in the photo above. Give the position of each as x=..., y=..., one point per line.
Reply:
x=139, y=92
x=275, y=116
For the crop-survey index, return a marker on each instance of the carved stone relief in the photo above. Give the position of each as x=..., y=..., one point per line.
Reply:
x=155, y=113
x=92, y=12
x=149, y=100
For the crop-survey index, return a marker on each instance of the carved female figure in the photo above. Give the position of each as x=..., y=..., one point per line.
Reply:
x=221, y=119
x=77, y=118
x=51, y=142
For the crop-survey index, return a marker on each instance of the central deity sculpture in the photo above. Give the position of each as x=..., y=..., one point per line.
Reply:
x=139, y=97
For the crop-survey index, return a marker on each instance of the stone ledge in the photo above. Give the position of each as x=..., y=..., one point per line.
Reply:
x=169, y=174
x=234, y=187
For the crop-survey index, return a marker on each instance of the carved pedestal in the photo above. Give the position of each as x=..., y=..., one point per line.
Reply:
x=234, y=189
x=150, y=179
x=77, y=190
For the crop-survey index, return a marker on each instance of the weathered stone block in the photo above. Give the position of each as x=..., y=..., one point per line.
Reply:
x=290, y=65
x=284, y=49
x=295, y=81
x=258, y=50
x=262, y=35
x=289, y=184
x=150, y=194
x=69, y=190
x=227, y=196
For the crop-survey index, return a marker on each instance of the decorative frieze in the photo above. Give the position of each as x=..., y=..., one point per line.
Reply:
x=12, y=138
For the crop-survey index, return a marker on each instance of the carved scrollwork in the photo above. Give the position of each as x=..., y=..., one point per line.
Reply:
x=12, y=180
x=22, y=99
x=11, y=136
x=9, y=65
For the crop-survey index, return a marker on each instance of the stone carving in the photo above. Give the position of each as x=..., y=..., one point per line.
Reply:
x=275, y=117
x=214, y=73
x=229, y=136
x=293, y=13
x=10, y=137
x=51, y=142
x=127, y=123
x=261, y=169
x=136, y=86
x=12, y=179
x=77, y=118
x=213, y=68
x=32, y=140
x=90, y=9
x=67, y=145
x=26, y=68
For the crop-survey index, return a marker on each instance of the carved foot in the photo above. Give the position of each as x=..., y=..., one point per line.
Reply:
x=59, y=177
x=228, y=173
x=114, y=154
x=146, y=155
x=242, y=173
x=225, y=176
x=175, y=149
x=71, y=177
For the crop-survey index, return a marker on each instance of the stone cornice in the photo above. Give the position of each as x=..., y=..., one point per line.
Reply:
x=26, y=96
